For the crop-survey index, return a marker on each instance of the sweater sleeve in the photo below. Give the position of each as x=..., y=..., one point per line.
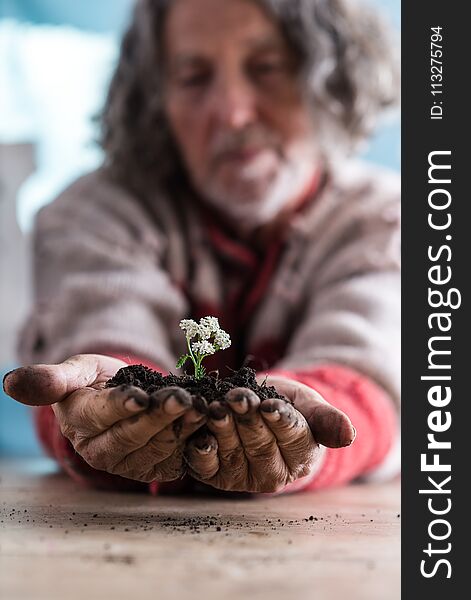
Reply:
x=100, y=284
x=350, y=313
x=59, y=448
x=101, y=279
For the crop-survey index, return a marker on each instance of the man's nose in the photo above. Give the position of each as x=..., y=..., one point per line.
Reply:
x=234, y=102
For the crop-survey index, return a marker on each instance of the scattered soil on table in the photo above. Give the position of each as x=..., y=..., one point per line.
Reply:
x=209, y=387
x=175, y=524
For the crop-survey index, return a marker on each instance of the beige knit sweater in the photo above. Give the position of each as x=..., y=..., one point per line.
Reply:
x=114, y=273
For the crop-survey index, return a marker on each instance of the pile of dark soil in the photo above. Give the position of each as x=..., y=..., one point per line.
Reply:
x=209, y=387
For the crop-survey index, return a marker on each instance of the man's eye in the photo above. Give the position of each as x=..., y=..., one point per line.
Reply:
x=195, y=80
x=268, y=68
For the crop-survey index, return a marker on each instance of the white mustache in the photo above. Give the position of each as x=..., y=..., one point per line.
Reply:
x=232, y=142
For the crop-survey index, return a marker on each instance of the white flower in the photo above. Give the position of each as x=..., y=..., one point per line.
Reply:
x=222, y=339
x=210, y=323
x=204, y=332
x=203, y=347
x=209, y=339
x=190, y=328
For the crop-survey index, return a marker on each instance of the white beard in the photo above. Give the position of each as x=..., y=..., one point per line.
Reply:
x=291, y=180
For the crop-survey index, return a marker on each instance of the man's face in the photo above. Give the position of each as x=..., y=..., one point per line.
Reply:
x=236, y=108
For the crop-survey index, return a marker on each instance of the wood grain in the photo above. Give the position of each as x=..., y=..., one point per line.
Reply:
x=62, y=541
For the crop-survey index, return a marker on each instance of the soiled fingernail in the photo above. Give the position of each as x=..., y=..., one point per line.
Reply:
x=271, y=416
x=220, y=422
x=240, y=406
x=135, y=404
x=173, y=406
x=217, y=410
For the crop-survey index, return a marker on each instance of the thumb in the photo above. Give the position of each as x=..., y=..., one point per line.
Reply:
x=330, y=426
x=47, y=384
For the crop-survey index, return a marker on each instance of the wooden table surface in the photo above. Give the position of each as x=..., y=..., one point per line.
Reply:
x=59, y=541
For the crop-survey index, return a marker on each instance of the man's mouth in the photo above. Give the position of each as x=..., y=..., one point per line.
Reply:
x=242, y=155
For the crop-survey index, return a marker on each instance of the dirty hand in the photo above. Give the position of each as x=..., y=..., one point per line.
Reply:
x=260, y=446
x=120, y=430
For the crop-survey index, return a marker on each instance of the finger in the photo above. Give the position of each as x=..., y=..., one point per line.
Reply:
x=164, y=407
x=88, y=412
x=329, y=425
x=47, y=384
x=232, y=459
x=145, y=468
x=162, y=446
x=259, y=443
x=201, y=456
x=292, y=432
x=190, y=422
x=162, y=457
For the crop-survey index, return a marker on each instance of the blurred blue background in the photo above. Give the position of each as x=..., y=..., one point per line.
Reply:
x=56, y=58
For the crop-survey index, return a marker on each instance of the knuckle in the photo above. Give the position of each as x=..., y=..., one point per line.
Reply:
x=161, y=449
x=232, y=457
x=123, y=436
x=263, y=450
x=203, y=468
x=169, y=436
x=231, y=473
x=233, y=460
x=296, y=439
x=168, y=470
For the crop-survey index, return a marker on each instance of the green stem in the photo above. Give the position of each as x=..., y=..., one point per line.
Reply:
x=196, y=361
x=192, y=356
x=200, y=358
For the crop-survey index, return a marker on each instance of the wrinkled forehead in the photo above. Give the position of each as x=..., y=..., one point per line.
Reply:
x=207, y=27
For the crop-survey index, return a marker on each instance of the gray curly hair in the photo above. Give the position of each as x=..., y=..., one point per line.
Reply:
x=346, y=60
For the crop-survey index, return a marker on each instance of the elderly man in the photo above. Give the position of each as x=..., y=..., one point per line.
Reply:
x=226, y=191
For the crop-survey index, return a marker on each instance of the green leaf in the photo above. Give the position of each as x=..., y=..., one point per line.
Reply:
x=200, y=372
x=182, y=360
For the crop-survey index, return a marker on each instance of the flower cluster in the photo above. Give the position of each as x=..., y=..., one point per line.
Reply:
x=209, y=339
